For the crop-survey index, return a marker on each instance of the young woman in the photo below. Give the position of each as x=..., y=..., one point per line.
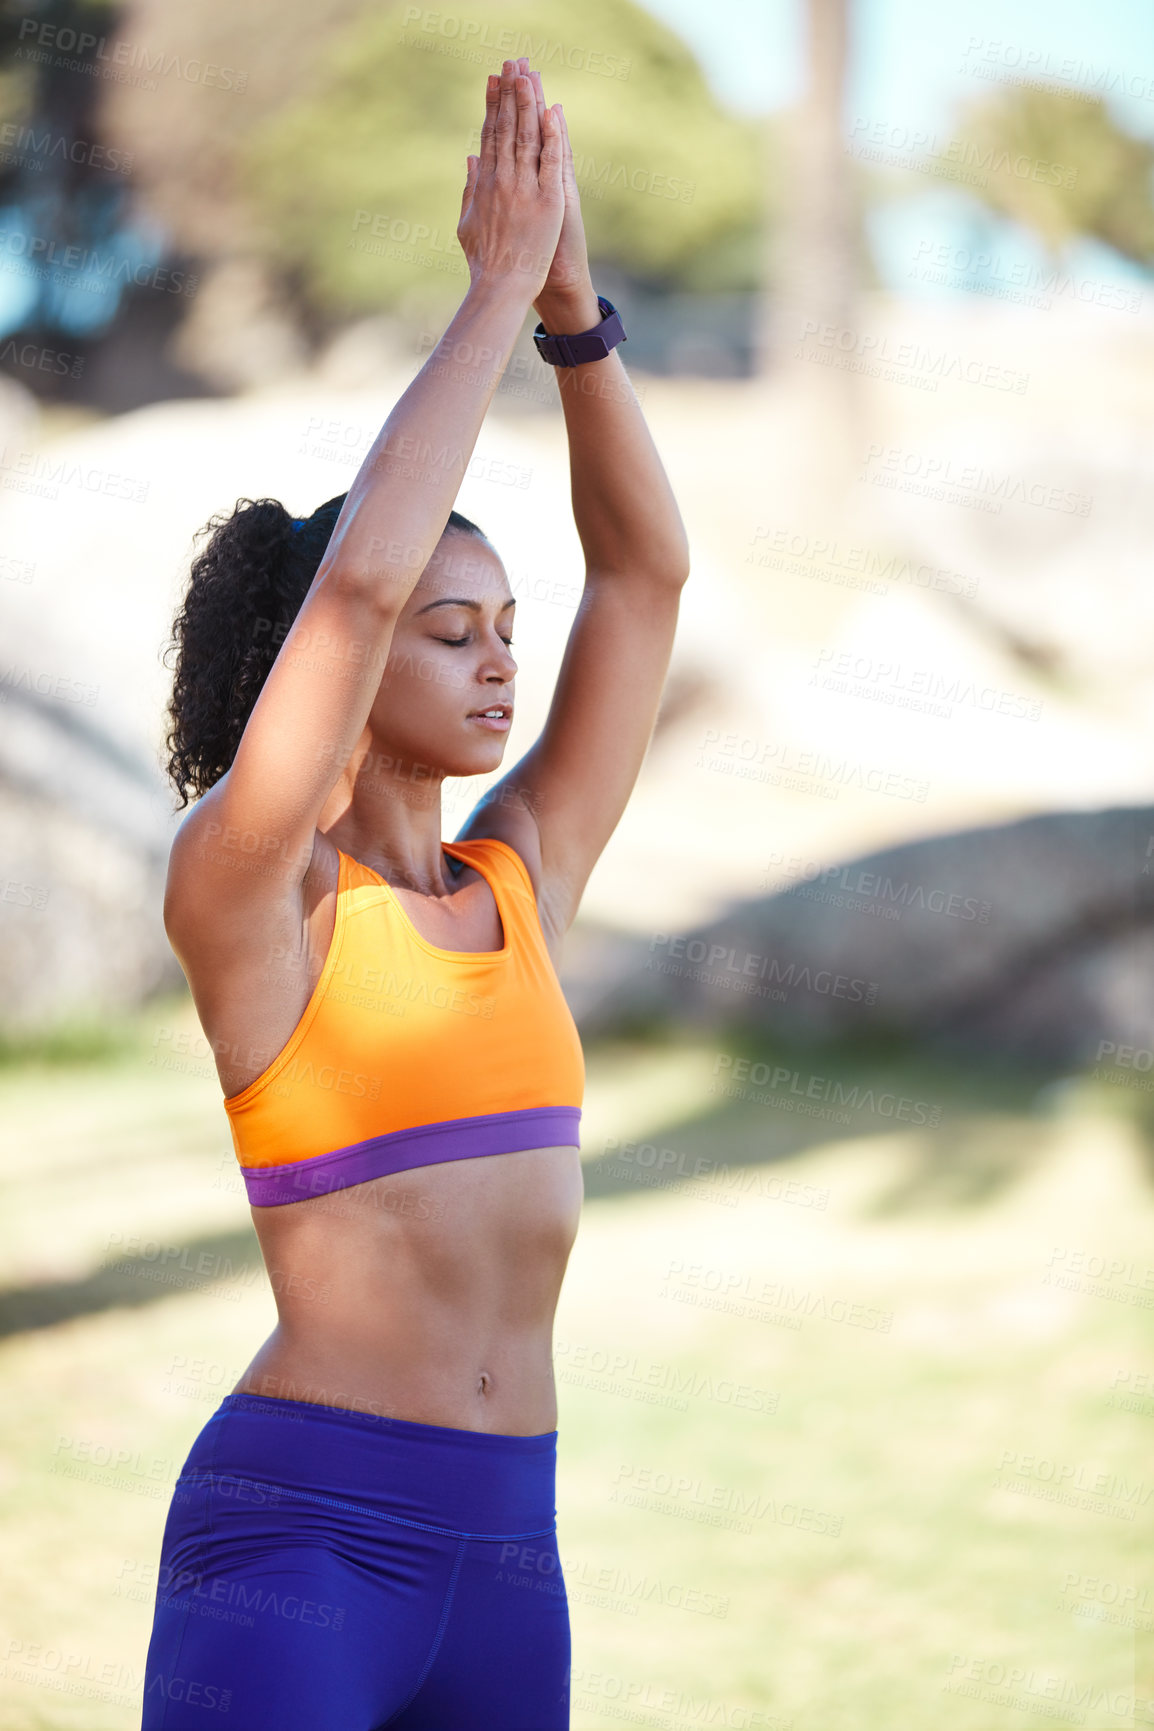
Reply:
x=349, y=1540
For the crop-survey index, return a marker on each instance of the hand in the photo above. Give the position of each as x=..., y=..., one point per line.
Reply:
x=513, y=205
x=568, y=284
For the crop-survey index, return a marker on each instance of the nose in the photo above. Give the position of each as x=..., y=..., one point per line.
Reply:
x=501, y=659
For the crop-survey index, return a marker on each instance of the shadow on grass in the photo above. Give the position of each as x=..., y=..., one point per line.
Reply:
x=970, y=1130
x=230, y=1260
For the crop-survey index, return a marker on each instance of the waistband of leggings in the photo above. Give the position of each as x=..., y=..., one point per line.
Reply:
x=479, y=1484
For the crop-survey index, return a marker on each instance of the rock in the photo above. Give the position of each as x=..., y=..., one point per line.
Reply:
x=82, y=878
x=1032, y=941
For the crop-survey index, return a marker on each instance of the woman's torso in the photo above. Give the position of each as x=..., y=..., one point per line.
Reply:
x=423, y=1291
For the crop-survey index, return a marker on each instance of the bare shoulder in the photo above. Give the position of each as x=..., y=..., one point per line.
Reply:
x=190, y=863
x=251, y=935
x=224, y=880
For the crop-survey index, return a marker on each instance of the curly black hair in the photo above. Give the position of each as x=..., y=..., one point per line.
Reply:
x=246, y=586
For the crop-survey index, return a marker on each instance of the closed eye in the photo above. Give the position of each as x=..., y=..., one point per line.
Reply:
x=459, y=642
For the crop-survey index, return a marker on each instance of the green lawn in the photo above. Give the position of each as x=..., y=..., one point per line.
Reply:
x=856, y=1424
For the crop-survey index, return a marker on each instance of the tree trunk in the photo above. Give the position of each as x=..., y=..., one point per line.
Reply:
x=813, y=263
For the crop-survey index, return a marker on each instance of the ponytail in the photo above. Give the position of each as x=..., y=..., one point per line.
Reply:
x=246, y=587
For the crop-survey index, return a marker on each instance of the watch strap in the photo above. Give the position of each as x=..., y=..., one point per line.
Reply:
x=594, y=345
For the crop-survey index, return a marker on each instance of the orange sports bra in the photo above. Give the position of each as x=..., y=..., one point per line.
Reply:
x=407, y=1055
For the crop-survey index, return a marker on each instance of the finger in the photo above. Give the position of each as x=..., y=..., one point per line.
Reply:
x=489, y=129
x=536, y=77
x=528, y=126
x=549, y=168
x=568, y=170
x=506, y=119
x=473, y=163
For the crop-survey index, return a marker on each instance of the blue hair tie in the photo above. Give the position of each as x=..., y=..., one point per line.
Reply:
x=299, y=523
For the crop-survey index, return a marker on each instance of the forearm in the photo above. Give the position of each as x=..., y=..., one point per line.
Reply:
x=400, y=500
x=623, y=506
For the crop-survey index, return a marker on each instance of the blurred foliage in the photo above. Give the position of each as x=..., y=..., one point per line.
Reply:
x=35, y=84
x=73, y=1040
x=395, y=111
x=1061, y=165
x=186, y=125
x=55, y=184
x=19, y=72
x=17, y=94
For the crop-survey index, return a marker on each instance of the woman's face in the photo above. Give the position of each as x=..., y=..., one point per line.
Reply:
x=449, y=662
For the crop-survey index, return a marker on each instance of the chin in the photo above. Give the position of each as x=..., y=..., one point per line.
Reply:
x=477, y=762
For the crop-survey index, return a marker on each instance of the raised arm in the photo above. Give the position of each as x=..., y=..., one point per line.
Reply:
x=316, y=699
x=560, y=804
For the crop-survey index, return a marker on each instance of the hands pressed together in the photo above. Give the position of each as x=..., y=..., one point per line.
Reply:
x=520, y=217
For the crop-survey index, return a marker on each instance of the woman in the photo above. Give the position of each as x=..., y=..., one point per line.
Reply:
x=347, y=1540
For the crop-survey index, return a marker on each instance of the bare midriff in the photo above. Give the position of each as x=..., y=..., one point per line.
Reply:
x=428, y=1295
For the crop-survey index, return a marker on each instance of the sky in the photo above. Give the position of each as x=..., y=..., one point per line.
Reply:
x=912, y=65
x=912, y=61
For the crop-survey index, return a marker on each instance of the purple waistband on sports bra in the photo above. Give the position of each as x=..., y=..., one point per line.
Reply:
x=401, y=1150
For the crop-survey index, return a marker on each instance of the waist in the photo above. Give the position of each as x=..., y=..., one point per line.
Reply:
x=288, y=1453
x=405, y=1289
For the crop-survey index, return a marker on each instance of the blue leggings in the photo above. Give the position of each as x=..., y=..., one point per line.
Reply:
x=327, y=1570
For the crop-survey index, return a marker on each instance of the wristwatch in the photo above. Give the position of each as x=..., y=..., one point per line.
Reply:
x=591, y=345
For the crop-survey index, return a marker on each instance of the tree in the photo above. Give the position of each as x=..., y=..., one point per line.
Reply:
x=817, y=247
x=1060, y=164
x=62, y=197
x=332, y=184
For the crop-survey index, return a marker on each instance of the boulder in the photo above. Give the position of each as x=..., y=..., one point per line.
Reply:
x=1032, y=941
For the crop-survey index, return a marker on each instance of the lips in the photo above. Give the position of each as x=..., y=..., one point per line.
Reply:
x=496, y=716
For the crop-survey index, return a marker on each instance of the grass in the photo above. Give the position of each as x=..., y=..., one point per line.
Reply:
x=818, y=1403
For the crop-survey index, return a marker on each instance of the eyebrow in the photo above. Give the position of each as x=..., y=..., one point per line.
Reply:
x=474, y=605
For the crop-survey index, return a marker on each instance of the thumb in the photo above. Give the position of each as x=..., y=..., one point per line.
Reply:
x=549, y=169
x=473, y=163
x=568, y=170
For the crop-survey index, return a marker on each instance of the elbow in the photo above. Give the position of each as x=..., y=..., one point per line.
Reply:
x=382, y=589
x=673, y=560
x=662, y=563
x=672, y=571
